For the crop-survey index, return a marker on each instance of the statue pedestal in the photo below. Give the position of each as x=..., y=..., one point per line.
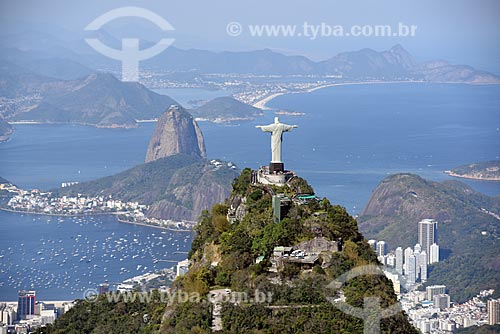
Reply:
x=265, y=176
x=276, y=167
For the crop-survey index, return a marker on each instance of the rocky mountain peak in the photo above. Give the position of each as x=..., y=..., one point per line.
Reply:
x=176, y=133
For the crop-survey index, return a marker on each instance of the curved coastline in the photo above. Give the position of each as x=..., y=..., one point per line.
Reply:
x=471, y=177
x=58, y=214
x=155, y=226
x=93, y=214
x=262, y=102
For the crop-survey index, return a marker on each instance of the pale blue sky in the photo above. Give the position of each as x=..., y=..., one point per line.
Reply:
x=457, y=30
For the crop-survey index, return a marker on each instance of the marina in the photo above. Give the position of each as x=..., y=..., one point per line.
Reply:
x=61, y=257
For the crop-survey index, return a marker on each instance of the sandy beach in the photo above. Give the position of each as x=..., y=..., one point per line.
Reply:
x=261, y=104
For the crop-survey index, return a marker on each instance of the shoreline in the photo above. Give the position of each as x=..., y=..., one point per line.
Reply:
x=470, y=177
x=155, y=226
x=93, y=214
x=58, y=215
x=261, y=104
x=111, y=126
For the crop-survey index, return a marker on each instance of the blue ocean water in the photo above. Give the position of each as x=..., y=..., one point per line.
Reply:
x=61, y=257
x=43, y=156
x=350, y=138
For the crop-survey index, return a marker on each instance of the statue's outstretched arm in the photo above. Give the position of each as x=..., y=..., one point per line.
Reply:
x=289, y=127
x=266, y=128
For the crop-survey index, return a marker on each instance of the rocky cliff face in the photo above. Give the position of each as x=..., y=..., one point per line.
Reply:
x=176, y=133
x=188, y=200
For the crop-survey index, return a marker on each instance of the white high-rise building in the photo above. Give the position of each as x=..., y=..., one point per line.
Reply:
x=381, y=248
x=434, y=255
x=399, y=260
x=493, y=308
x=427, y=235
x=423, y=266
x=407, y=253
x=373, y=243
x=411, y=266
x=417, y=248
x=418, y=260
x=391, y=260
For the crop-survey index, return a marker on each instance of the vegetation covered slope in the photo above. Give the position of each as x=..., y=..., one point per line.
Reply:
x=99, y=99
x=175, y=187
x=223, y=256
x=488, y=170
x=472, y=259
x=226, y=108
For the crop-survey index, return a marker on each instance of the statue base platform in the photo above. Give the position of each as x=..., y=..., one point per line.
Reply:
x=276, y=167
x=265, y=176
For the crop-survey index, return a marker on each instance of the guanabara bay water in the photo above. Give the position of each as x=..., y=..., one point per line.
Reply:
x=61, y=257
x=351, y=137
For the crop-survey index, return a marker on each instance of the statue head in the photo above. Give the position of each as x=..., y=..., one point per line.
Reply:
x=276, y=120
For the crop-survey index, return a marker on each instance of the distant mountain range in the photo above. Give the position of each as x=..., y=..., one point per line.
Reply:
x=393, y=64
x=69, y=57
x=468, y=230
x=58, y=67
x=51, y=79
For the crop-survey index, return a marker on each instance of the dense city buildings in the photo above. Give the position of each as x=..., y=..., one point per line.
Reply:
x=431, y=311
x=441, y=301
x=35, y=201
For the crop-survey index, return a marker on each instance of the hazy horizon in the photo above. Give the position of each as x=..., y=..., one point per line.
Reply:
x=462, y=32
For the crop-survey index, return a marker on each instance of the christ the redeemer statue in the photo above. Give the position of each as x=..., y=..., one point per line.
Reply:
x=276, y=130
